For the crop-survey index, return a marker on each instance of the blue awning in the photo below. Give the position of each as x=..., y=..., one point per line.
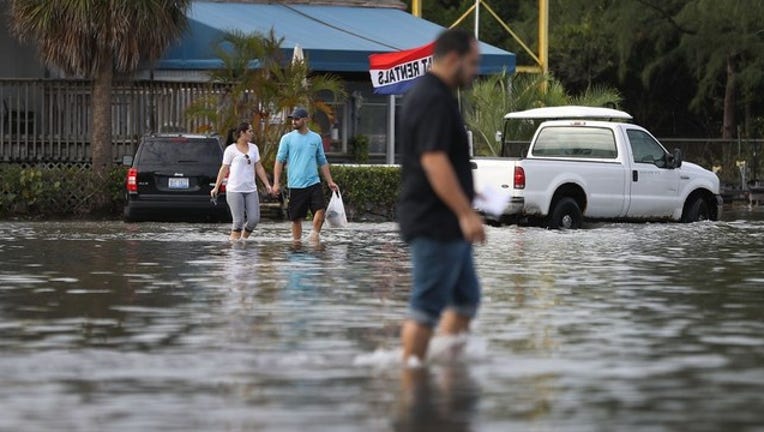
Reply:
x=334, y=38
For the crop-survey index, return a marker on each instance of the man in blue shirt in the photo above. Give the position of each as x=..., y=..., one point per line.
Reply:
x=302, y=151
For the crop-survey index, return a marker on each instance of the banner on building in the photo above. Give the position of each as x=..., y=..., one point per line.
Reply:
x=393, y=73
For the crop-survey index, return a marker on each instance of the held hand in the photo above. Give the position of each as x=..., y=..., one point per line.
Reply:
x=269, y=190
x=276, y=189
x=214, y=192
x=333, y=186
x=472, y=228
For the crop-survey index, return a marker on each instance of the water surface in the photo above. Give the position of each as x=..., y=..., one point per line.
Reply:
x=108, y=326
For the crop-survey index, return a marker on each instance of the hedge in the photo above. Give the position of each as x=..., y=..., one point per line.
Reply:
x=40, y=192
x=370, y=193
x=60, y=191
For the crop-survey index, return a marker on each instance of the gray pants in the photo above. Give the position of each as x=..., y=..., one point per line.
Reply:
x=244, y=204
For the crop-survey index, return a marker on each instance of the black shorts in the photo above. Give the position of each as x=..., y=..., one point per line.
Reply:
x=301, y=200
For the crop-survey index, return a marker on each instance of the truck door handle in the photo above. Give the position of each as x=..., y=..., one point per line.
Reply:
x=635, y=175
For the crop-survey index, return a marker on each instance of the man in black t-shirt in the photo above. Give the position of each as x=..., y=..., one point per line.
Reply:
x=435, y=209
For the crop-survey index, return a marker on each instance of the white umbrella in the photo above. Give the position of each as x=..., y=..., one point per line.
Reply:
x=299, y=57
x=297, y=54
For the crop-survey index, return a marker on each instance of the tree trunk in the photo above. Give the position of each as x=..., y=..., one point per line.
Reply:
x=100, y=132
x=728, y=126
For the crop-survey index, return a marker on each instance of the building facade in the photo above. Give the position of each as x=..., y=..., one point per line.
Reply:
x=47, y=115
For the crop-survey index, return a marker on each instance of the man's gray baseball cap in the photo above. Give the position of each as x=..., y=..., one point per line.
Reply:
x=299, y=113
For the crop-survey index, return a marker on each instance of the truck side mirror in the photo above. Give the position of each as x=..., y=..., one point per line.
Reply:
x=498, y=136
x=127, y=160
x=677, y=158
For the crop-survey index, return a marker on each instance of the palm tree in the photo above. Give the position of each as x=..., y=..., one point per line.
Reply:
x=255, y=83
x=493, y=97
x=96, y=38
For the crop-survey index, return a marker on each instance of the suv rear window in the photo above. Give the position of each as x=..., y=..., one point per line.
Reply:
x=175, y=151
x=575, y=142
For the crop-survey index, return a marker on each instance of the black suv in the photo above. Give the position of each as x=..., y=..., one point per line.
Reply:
x=171, y=176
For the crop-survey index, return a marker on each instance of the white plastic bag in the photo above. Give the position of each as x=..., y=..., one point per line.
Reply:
x=335, y=212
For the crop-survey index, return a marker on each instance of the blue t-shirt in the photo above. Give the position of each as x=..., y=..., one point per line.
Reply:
x=302, y=154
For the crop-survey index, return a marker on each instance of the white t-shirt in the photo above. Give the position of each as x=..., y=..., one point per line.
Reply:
x=242, y=174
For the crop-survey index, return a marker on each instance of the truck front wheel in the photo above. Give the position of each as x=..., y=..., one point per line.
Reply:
x=565, y=214
x=697, y=210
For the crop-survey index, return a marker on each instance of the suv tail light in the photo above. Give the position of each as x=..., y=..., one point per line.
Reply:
x=519, y=178
x=132, y=180
x=222, y=185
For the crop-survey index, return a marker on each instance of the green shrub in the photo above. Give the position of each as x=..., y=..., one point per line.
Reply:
x=10, y=188
x=369, y=192
x=44, y=192
x=359, y=147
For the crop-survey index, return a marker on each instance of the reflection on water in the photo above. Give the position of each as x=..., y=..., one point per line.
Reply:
x=432, y=401
x=106, y=326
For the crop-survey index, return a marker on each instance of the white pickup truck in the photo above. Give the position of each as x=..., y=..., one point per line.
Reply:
x=591, y=164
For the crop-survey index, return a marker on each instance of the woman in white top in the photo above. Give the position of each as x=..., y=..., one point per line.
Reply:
x=241, y=160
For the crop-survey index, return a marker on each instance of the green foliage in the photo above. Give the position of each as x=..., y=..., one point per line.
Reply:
x=59, y=192
x=116, y=182
x=724, y=40
x=77, y=35
x=716, y=46
x=10, y=187
x=359, y=146
x=369, y=192
x=581, y=53
x=92, y=39
x=32, y=186
x=258, y=85
x=684, y=67
x=494, y=96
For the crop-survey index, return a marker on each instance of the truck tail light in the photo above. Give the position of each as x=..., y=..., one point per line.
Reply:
x=519, y=178
x=132, y=180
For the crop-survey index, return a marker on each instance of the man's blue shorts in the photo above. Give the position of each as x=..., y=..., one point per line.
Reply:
x=444, y=277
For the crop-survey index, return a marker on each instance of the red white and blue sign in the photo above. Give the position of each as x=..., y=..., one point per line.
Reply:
x=394, y=73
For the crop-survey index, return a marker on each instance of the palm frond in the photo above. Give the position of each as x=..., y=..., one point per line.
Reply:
x=261, y=86
x=494, y=96
x=80, y=36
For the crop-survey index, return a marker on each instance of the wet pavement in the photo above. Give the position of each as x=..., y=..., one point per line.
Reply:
x=110, y=326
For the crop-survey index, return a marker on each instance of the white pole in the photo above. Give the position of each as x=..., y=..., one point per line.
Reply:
x=391, y=130
x=477, y=19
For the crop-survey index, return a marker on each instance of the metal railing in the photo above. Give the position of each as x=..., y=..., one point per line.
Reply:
x=50, y=120
x=735, y=161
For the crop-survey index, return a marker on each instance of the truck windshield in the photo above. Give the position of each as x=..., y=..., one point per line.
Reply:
x=575, y=142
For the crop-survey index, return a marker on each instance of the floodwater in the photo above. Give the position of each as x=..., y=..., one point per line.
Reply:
x=115, y=327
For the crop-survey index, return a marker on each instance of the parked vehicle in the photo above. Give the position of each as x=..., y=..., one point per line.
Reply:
x=170, y=178
x=590, y=163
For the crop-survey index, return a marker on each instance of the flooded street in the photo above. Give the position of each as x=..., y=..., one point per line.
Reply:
x=108, y=326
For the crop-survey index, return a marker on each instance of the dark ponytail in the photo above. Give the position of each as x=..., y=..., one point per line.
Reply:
x=230, y=138
x=234, y=134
